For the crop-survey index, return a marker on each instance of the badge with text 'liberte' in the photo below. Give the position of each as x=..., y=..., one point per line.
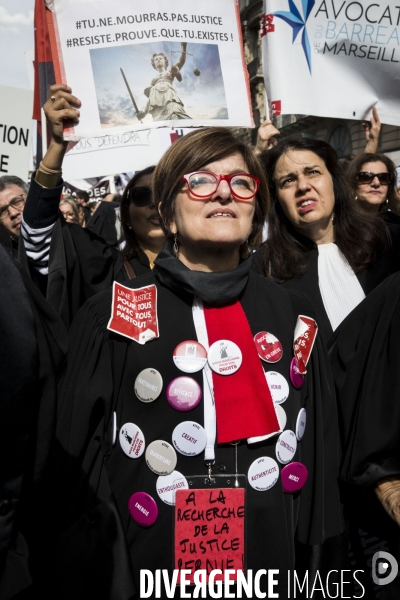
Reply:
x=209, y=530
x=305, y=333
x=134, y=313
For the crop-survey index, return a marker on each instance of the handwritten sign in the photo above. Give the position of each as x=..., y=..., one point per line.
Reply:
x=209, y=530
x=134, y=313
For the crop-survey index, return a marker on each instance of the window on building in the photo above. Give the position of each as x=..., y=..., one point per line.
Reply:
x=341, y=141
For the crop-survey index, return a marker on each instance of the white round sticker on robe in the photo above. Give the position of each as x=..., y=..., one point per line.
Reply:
x=286, y=447
x=131, y=439
x=281, y=416
x=167, y=485
x=224, y=357
x=148, y=385
x=190, y=356
x=263, y=473
x=278, y=386
x=115, y=430
x=301, y=423
x=161, y=457
x=189, y=438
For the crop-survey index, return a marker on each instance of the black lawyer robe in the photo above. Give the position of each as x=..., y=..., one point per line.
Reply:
x=98, y=549
x=365, y=358
x=81, y=263
x=386, y=263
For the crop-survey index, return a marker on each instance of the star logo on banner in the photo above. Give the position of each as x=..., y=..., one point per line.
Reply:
x=298, y=24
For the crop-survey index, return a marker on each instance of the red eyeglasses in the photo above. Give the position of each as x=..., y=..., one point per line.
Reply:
x=203, y=184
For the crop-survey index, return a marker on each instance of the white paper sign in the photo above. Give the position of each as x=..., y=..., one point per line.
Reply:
x=332, y=58
x=137, y=65
x=15, y=131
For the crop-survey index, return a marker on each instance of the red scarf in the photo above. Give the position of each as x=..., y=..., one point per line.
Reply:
x=243, y=402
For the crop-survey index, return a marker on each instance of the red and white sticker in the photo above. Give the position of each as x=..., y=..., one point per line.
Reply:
x=305, y=333
x=268, y=347
x=224, y=357
x=134, y=313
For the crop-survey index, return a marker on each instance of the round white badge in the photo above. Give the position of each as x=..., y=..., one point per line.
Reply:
x=263, y=473
x=167, y=485
x=148, y=385
x=190, y=356
x=286, y=446
x=301, y=423
x=189, y=438
x=224, y=357
x=131, y=439
x=161, y=457
x=278, y=386
x=281, y=416
x=115, y=430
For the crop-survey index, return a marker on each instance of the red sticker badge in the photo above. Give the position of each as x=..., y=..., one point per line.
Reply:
x=268, y=347
x=134, y=313
x=305, y=333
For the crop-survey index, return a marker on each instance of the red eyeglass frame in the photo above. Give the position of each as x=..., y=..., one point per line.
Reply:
x=220, y=178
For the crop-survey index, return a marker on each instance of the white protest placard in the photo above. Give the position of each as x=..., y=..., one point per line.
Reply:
x=15, y=131
x=332, y=58
x=137, y=65
x=116, y=153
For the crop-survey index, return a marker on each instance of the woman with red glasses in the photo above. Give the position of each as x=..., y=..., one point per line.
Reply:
x=181, y=390
x=373, y=179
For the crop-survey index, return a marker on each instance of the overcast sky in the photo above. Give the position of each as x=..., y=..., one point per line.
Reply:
x=16, y=38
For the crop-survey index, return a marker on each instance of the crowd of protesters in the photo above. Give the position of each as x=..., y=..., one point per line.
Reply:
x=230, y=247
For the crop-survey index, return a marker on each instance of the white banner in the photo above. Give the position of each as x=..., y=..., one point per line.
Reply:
x=332, y=58
x=15, y=131
x=120, y=152
x=138, y=65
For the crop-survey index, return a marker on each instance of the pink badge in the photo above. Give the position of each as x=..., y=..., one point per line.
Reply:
x=183, y=393
x=134, y=313
x=268, y=347
x=295, y=377
x=294, y=477
x=304, y=337
x=143, y=509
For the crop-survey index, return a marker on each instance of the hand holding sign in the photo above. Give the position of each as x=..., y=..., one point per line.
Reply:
x=59, y=107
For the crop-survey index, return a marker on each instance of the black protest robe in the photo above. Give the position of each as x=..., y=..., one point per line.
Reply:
x=98, y=549
x=32, y=423
x=81, y=263
x=386, y=263
x=104, y=222
x=365, y=358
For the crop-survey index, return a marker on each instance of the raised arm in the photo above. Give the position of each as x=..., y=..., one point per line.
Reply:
x=41, y=209
x=372, y=130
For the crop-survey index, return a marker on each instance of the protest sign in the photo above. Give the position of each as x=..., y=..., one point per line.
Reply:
x=332, y=58
x=95, y=192
x=167, y=63
x=15, y=131
x=126, y=151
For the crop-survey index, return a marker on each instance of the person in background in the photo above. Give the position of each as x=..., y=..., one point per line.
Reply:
x=69, y=210
x=13, y=192
x=83, y=199
x=373, y=180
x=111, y=198
x=319, y=242
x=80, y=263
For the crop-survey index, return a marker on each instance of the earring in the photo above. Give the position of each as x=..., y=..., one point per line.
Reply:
x=245, y=251
x=333, y=217
x=175, y=247
x=356, y=198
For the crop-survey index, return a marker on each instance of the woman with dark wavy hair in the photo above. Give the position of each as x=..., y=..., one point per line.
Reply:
x=319, y=242
x=373, y=181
